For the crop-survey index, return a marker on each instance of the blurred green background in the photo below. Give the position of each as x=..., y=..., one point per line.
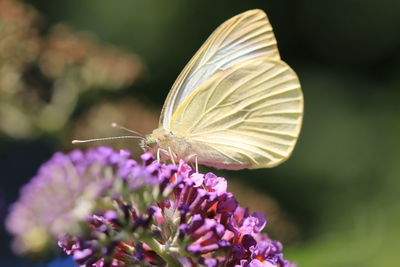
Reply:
x=335, y=202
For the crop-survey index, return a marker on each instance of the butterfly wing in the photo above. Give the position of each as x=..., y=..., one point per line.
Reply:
x=246, y=36
x=247, y=116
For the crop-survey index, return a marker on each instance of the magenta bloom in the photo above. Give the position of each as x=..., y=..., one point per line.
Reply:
x=106, y=209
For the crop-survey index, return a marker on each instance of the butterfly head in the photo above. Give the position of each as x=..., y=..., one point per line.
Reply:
x=152, y=141
x=149, y=142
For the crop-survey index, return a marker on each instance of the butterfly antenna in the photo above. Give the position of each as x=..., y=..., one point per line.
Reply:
x=105, y=139
x=115, y=125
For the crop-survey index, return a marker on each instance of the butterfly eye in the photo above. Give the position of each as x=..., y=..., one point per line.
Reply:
x=148, y=142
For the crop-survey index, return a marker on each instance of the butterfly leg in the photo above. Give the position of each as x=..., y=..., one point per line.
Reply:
x=197, y=164
x=158, y=155
x=171, y=155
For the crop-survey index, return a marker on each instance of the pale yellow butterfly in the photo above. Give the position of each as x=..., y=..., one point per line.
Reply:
x=236, y=104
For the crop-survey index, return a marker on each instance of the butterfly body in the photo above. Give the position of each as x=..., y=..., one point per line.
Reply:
x=191, y=151
x=236, y=104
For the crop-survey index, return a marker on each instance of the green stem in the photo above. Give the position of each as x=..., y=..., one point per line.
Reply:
x=161, y=251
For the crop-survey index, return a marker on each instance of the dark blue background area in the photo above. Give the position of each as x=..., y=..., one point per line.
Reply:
x=19, y=161
x=58, y=262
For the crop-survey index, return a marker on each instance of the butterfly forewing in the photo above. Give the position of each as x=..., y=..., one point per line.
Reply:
x=246, y=36
x=248, y=115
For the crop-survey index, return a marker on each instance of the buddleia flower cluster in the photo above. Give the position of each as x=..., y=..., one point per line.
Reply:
x=105, y=209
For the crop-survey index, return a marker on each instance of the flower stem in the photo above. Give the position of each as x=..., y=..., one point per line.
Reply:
x=161, y=251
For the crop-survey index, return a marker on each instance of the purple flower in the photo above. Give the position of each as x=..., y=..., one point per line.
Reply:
x=212, y=223
x=69, y=188
x=109, y=210
x=215, y=184
x=60, y=196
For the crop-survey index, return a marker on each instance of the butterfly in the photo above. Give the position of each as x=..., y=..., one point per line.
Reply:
x=236, y=104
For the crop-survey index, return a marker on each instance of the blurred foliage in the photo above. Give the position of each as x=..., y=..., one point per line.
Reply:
x=42, y=75
x=338, y=192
